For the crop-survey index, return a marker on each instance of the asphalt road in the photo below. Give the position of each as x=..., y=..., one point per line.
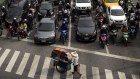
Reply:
x=113, y=62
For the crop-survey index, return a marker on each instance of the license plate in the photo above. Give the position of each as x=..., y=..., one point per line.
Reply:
x=83, y=11
x=43, y=40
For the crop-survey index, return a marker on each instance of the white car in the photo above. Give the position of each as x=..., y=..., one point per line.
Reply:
x=83, y=5
x=116, y=14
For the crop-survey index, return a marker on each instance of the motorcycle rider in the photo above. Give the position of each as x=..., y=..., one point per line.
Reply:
x=113, y=27
x=4, y=13
x=64, y=26
x=48, y=13
x=15, y=25
x=124, y=28
x=103, y=30
x=138, y=5
x=133, y=26
x=23, y=26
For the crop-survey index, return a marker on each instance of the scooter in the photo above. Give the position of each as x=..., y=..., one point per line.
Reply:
x=63, y=36
x=103, y=40
x=113, y=36
x=125, y=38
x=133, y=32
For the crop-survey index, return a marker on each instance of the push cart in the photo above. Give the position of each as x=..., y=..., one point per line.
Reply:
x=62, y=59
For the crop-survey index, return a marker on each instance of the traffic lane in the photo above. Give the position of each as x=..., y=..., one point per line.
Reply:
x=132, y=50
x=88, y=59
x=93, y=46
x=58, y=42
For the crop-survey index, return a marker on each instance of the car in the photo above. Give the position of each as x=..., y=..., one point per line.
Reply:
x=15, y=11
x=45, y=31
x=85, y=29
x=45, y=5
x=116, y=14
x=83, y=6
x=108, y=3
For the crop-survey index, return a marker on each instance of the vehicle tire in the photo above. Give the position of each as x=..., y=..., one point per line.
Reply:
x=63, y=40
x=60, y=69
x=8, y=35
x=18, y=37
x=0, y=32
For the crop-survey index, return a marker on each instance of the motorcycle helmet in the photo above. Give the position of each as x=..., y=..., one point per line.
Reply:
x=3, y=7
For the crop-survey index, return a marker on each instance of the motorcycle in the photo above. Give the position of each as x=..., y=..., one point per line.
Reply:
x=10, y=32
x=103, y=40
x=21, y=34
x=125, y=38
x=100, y=22
x=63, y=36
x=132, y=33
x=113, y=36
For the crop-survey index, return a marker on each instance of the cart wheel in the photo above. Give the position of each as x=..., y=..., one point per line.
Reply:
x=60, y=69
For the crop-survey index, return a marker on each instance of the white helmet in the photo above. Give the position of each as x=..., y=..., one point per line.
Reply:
x=65, y=11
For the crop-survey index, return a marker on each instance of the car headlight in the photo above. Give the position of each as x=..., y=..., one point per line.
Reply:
x=125, y=20
x=89, y=7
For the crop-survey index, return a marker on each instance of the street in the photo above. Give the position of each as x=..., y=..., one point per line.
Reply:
x=26, y=60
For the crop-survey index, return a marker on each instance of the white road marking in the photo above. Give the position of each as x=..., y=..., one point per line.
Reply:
x=107, y=50
x=23, y=64
x=108, y=74
x=135, y=76
x=4, y=55
x=45, y=68
x=95, y=72
x=56, y=74
x=121, y=75
x=92, y=52
x=12, y=61
x=34, y=66
x=83, y=71
x=69, y=73
x=99, y=53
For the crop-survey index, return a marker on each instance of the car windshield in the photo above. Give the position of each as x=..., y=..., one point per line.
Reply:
x=85, y=23
x=117, y=12
x=45, y=6
x=111, y=1
x=45, y=27
x=83, y=1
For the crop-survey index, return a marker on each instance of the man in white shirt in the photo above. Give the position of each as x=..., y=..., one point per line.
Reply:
x=75, y=59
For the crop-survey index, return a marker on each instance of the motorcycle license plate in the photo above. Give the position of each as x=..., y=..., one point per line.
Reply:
x=125, y=36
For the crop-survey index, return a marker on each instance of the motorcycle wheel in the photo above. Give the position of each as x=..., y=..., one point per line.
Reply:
x=18, y=37
x=102, y=45
x=60, y=69
x=0, y=32
x=63, y=40
x=8, y=35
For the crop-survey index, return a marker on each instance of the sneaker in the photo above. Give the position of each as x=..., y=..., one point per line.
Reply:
x=80, y=75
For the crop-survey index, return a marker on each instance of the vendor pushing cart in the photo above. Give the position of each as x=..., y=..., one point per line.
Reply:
x=62, y=59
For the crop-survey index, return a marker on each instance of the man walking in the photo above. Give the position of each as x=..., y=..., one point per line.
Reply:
x=75, y=59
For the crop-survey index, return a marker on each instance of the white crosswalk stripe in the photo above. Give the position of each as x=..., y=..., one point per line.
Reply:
x=46, y=65
x=45, y=68
x=4, y=55
x=95, y=72
x=121, y=75
x=56, y=75
x=108, y=74
x=83, y=71
x=135, y=76
x=34, y=66
x=23, y=64
x=69, y=73
x=12, y=61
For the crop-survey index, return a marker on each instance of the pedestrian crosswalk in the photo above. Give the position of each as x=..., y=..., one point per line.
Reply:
x=46, y=67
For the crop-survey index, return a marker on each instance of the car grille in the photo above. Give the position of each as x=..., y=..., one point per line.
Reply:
x=119, y=21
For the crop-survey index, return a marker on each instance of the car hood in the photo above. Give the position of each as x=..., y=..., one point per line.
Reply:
x=83, y=4
x=85, y=30
x=41, y=34
x=118, y=17
x=43, y=12
x=111, y=4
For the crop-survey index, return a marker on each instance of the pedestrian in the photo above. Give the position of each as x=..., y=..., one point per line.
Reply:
x=75, y=59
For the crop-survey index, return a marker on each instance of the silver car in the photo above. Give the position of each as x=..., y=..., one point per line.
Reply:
x=45, y=31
